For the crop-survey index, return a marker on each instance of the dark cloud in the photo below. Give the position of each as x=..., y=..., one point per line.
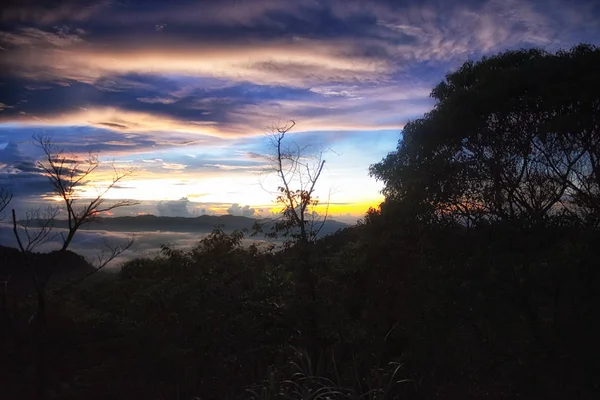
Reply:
x=20, y=174
x=113, y=125
x=11, y=154
x=83, y=139
x=233, y=67
x=24, y=185
x=48, y=12
x=140, y=94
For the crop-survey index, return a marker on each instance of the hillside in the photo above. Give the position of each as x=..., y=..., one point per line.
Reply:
x=15, y=268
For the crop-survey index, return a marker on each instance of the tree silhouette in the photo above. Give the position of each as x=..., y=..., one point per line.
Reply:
x=298, y=171
x=67, y=174
x=512, y=137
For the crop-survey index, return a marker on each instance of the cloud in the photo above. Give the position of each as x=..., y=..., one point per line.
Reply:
x=33, y=38
x=372, y=40
x=108, y=143
x=275, y=61
x=226, y=112
x=20, y=174
x=238, y=210
x=256, y=63
x=11, y=155
x=50, y=12
x=90, y=243
x=173, y=166
x=174, y=208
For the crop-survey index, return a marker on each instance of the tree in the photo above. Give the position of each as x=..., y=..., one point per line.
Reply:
x=512, y=137
x=298, y=172
x=67, y=174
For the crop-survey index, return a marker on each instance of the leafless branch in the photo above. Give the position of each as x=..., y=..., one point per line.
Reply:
x=324, y=219
x=298, y=171
x=41, y=231
x=6, y=196
x=67, y=173
x=36, y=282
x=108, y=254
x=16, y=232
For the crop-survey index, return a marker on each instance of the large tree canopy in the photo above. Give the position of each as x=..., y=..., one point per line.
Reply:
x=513, y=136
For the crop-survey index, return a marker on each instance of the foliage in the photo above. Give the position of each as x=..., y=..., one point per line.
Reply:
x=489, y=311
x=512, y=137
x=302, y=383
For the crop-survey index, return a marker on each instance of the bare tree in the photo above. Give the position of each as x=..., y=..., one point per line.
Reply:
x=109, y=252
x=298, y=170
x=68, y=175
x=36, y=228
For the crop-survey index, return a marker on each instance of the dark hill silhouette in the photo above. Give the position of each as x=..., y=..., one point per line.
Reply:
x=202, y=224
x=14, y=266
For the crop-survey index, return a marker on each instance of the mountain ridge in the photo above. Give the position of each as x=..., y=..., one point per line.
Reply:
x=203, y=223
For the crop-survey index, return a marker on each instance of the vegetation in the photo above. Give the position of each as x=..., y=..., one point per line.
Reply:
x=477, y=277
x=513, y=137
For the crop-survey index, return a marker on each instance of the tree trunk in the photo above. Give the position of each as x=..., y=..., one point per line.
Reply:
x=40, y=349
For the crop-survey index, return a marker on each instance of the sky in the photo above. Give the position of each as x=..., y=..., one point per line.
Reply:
x=184, y=91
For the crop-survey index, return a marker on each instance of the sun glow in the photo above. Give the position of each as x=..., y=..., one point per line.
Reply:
x=214, y=196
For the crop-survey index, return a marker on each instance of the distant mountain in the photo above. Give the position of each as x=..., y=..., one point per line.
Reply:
x=202, y=224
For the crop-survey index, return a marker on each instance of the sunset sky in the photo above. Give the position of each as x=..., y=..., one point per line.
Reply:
x=183, y=90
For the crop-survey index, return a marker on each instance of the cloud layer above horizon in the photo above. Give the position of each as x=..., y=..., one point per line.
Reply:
x=184, y=90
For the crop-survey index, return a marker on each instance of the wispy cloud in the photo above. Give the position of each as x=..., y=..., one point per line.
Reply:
x=90, y=243
x=50, y=12
x=195, y=83
x=33, y=38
